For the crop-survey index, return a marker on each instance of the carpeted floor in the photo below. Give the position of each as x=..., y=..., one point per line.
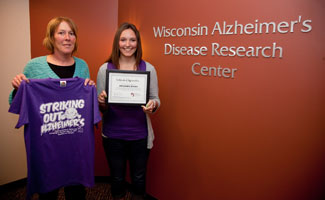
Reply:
x=101, y=191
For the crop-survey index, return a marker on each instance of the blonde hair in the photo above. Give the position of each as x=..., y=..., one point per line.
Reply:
x=53, y=24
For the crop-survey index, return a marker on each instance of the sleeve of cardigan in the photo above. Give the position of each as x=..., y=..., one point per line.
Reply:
x=154, y=89
x=101, y=78
x=26, y=72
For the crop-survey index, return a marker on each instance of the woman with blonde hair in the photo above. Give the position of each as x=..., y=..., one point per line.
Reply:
x=61, y=40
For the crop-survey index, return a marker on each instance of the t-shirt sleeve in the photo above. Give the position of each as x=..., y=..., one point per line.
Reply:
x=97, y=117
x=19, y=105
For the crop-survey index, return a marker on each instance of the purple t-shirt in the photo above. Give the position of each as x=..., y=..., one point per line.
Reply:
x=125, y=122
x=58, y=117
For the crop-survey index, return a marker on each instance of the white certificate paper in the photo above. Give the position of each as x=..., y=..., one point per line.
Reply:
x=127, y=87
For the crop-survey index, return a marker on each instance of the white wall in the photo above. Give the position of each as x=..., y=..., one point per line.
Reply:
x=14, y=53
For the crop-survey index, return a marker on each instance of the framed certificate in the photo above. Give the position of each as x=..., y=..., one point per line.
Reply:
x=127, y=87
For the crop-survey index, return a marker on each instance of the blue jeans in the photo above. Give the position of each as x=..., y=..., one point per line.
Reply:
x=118, y=152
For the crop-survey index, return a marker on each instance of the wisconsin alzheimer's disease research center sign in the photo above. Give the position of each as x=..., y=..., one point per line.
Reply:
x=273, y=50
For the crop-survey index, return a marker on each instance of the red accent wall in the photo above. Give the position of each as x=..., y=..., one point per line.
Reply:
x=259, y=136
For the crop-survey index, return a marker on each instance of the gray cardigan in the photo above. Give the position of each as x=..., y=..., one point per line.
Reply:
x=153, y=93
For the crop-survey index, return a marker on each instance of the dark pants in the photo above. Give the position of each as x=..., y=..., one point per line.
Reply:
x=117, y=153
x=71, y=193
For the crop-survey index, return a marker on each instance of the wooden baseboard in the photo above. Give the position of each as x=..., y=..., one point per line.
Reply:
x=14, y=184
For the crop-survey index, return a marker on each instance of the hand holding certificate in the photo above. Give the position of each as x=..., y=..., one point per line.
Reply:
x=127, y=87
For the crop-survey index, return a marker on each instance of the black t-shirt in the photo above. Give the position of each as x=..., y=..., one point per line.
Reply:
x=63, y=71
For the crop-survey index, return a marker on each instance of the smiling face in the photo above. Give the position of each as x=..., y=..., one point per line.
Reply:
x=64, y=39
x=128, y=43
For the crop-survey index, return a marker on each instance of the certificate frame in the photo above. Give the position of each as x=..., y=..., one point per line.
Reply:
x=124, y=87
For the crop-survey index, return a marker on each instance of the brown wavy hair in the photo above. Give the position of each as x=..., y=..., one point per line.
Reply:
x=115, y=55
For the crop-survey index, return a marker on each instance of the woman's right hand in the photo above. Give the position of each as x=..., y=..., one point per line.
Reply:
x=101, y=97
x=17, y=80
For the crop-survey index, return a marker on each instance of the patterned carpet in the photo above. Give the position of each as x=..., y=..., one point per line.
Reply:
x=101, y=191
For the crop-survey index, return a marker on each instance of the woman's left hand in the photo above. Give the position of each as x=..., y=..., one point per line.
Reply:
x=89, y=82
x=150, y=107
